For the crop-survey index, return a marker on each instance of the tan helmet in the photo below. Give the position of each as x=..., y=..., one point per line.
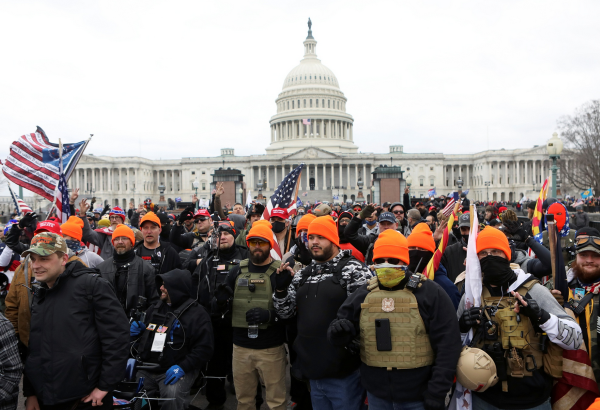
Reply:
x=476, y=370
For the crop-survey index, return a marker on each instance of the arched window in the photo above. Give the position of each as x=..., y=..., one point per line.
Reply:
x=317, y=103
x=292, y=104
x=288, y=105
x=305, y=103
x=323, y=103
x=298, y=103
x=338, y=105
x=328, y=103
x=311, y=103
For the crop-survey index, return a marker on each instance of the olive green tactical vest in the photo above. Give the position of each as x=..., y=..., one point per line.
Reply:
x=411, y=347
x=514, y=332
x=244, y=299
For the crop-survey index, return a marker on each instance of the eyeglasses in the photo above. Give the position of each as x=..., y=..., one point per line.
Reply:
x=114, y=218
x=393, y=261
x=584, y=240
x=198, y=220
x=257, y=243
x=398, y=212
x=491, y=252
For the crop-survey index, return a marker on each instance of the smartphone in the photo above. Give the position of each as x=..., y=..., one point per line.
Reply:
x=383, y=335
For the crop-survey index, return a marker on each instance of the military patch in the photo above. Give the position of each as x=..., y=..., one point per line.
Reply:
x=257, y=281
x=387, y=305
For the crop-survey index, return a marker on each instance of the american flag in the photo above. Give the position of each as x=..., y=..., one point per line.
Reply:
x=63, y=211
x=20, y=205
x=577, y=389
x=450, y=205
x=33, y=163
x=306, y=121
x=285, y=194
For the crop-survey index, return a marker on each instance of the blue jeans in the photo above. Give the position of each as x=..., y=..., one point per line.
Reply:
x=334, y=394
x=480, y=404
x=375, y=403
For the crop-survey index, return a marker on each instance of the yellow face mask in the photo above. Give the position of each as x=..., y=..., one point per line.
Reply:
x=389, y=275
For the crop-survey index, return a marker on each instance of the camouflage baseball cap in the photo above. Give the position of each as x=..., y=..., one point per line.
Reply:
x=46, y=243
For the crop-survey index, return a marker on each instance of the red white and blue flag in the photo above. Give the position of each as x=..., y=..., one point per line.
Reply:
x=450, y=205
x=34, y=164
x=306, y=121
x=285, y=195
x=20, y=205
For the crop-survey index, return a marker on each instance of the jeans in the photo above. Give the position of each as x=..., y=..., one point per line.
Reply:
x=480, y=404
x=180, y=391
x=375, y=403
x=334, y=394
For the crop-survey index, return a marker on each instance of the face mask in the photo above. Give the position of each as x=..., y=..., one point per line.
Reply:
x=278, y=226
x=496, y=271
x=75, y=246
x=371, y=223
x=418, y=259
x=465, y=238
x=389, y=275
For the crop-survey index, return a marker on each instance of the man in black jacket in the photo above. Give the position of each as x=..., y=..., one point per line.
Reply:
x=129, y=274
x=194, y=240
x=79, y=356
x=208, y=277
x=161, y=256
x=177, y=336
x=423, y=343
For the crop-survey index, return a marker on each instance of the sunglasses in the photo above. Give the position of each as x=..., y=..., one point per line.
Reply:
x=257, y=243
x=582, y=241
x=398, y=212
x=198, y=220
x=393, y=261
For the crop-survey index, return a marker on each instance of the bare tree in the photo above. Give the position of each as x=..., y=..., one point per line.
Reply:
x=580, y=161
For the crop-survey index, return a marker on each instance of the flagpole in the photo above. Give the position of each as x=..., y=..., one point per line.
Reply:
x=287, y=245
x=552, y=241
x=60, y=173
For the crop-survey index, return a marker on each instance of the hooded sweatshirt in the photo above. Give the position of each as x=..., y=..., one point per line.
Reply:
x=190, y=338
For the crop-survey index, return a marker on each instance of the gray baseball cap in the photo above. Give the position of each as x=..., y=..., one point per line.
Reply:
x=464, y=220
x=387, y=217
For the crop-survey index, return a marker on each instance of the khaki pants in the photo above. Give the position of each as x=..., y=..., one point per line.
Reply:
x=252, y=365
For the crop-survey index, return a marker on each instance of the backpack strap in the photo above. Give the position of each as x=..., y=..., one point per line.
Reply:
x=337, y=271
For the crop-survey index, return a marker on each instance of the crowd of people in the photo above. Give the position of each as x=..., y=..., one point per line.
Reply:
x=335, y=299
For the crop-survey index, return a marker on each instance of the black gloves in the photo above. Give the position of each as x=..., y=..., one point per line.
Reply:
x=469, y=319
x=27, y=220
x=283, y=280
x=534, y=312
x=341, y=332
x=258, y=316
x=368, y=211
x=187, y=214
x=431, y=403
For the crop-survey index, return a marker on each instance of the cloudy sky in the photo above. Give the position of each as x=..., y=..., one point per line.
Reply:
x=170, y=79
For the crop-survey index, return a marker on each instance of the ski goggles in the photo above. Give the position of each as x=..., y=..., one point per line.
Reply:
x=587, y=243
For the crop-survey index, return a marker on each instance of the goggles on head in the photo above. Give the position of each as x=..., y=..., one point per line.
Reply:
x=585, y=240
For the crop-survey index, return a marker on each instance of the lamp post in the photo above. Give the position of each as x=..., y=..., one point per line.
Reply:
x=460, y=184
x=241, y=192
x=487, y=184
x=554, y=146
x=195, y=184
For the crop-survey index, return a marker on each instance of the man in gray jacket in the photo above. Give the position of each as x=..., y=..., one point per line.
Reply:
x=129, y=274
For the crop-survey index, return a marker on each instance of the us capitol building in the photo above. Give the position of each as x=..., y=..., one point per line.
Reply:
x=334, y=171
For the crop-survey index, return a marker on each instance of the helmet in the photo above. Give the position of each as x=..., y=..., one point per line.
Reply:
x=476, y=370
x=90, y=214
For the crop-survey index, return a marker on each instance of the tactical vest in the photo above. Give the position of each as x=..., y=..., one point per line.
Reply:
x=245, y=298
x=520, y=342
x=411, y=347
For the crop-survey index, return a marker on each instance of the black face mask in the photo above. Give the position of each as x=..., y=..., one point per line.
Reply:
x=496, y=271
x=456, y=232
x=166, y=230
x=278, y=226
x=420, y=259
x=465, y=238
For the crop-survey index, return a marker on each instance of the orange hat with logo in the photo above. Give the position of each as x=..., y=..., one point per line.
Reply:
x=304, y=222
x=325, y=226
x=391, y=244
x=123, y=230
x=70, y=228
x=422, y=237
x=261, y=231
x=492, y=238
x=150, y=217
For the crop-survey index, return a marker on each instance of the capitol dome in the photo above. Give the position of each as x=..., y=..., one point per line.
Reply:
x=311, y=109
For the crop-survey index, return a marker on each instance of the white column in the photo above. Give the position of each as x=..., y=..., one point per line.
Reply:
x=324, y=176
x=348, y=176
x=351, y=136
